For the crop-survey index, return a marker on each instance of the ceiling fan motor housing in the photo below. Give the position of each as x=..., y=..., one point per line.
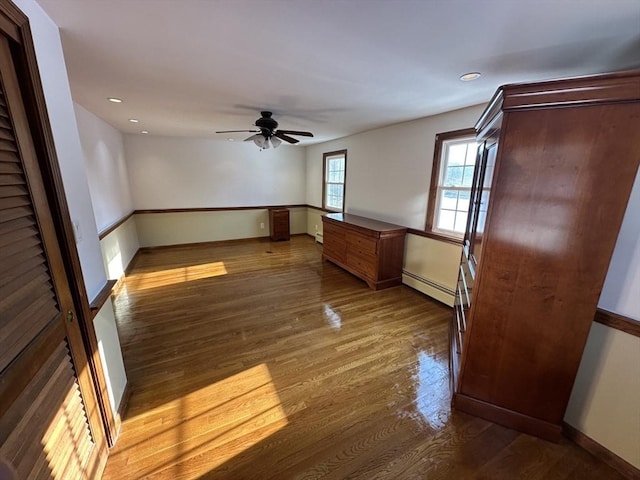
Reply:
x=266, y=124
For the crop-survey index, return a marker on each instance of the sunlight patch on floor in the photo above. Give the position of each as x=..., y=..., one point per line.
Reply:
x=207, y=427
x=161, y=278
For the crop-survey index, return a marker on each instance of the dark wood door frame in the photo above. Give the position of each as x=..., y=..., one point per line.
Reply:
x=15, y=25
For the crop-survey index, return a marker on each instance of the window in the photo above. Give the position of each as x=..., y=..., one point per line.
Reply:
x=333, y=180
x=451, y=178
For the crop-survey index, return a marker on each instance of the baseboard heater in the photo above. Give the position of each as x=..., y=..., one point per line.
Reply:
x=319, y=237
x=429, y=287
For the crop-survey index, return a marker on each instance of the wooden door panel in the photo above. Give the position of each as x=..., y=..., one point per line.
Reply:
x=44, y=430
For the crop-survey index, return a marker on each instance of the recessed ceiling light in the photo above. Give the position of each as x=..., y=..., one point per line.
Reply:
x=114, y=100
x=468, y=77
x=231, y=139
x=134, y=120
x=144, y=131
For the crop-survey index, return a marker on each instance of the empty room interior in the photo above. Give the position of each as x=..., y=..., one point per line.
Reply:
x=338, y=239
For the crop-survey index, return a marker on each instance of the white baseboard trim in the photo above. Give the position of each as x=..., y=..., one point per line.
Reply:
x=428, y=287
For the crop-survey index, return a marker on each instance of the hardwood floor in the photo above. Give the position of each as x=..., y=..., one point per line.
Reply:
x=255, y=360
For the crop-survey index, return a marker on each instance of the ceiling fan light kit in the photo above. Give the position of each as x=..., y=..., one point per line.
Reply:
x=268, y=134
x=264, y=142
x=275, y=142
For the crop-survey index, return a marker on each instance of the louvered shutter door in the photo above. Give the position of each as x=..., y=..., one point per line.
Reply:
x=27, y=300
x=45, y=442
x=46, y=430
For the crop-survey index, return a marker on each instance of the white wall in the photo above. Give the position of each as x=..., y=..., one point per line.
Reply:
x=175, y=228
x=57, y=93
x=431, y=266
x=108, y=347
x=108, y=178
x=119, y=248
x=622, y=286
x=103, y=149
x=605, y=402
x=172, y=172
x=388, y=169
x=55, y=84
x=314, y=221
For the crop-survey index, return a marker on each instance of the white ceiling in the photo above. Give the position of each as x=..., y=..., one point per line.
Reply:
x=334, y=67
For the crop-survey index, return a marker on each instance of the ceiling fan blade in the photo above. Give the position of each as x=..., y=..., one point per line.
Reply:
x=286, y=138
x=295, y=132
x=237, y=131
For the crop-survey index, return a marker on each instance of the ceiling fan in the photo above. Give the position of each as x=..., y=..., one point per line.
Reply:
x=267, y=133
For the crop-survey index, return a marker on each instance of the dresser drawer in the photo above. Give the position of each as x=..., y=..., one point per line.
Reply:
x=361, y=245
x=331, y=231
x=363, y=263
x=334, y=248
x=281, y=224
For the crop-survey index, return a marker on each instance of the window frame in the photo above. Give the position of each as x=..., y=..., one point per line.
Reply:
x=441, y=138
x=325, y=156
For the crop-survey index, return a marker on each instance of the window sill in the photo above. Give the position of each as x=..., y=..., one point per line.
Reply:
x=437, y=236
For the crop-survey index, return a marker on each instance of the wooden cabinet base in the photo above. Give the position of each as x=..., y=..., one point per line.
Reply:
x=373, y=284
x=507, y=418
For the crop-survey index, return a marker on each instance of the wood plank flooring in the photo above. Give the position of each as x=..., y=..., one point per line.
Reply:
x=255, y=360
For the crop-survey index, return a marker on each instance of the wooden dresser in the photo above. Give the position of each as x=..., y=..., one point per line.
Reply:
x=369, y=249
x=279, y=224
x=556, y=164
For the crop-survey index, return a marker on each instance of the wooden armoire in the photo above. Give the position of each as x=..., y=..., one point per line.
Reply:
x=556, y=164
